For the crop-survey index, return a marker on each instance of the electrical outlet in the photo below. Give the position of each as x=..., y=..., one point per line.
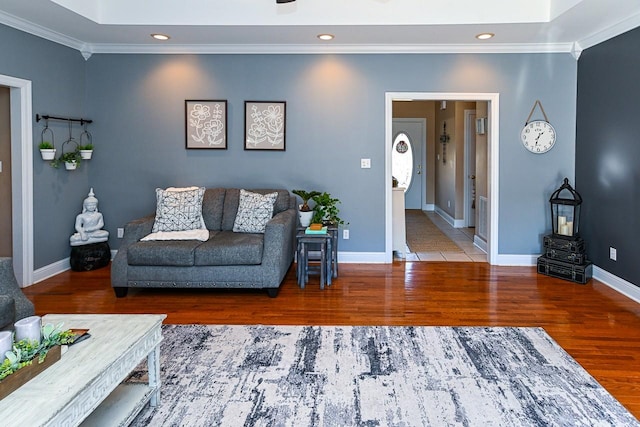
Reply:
x=345, y=234
x=448, y=203
x=365, y=163
x=120, y=233
x=613, y=253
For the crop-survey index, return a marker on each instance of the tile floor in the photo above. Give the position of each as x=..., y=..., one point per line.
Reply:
x=463, y=237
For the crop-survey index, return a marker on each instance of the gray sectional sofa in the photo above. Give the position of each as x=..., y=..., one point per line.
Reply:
x=227, y=259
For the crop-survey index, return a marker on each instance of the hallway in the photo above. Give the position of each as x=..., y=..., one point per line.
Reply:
x=462, y=237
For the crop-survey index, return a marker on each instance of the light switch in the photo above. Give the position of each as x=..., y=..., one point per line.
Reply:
x=0, y=165
x=365, y=163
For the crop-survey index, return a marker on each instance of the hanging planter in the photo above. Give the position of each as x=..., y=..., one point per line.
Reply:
x=86, y=145
x=71, y=159
x=47, y=149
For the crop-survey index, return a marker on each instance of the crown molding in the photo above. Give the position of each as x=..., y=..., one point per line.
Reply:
x=333, y=49
x=40, y=31
x=88, y=49
x=621, y=27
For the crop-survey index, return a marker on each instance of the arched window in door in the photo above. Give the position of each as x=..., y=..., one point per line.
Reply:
x=402, y=160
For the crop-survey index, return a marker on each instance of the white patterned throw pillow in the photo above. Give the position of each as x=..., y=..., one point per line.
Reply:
x=179, y=209
x=254, y=211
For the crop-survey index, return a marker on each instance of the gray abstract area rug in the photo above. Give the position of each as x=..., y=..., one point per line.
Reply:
x=373, y=376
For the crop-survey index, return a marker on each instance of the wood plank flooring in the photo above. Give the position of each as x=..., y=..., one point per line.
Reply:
x=599, y=327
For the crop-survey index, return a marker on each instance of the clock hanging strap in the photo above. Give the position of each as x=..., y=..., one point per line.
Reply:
x=541, y=109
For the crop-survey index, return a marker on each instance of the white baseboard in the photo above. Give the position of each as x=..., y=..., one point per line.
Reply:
x=430, y=207
x=480, y=243
x=517, y=260
x=50, y=270
x=362, y=257
x=616, y=283
x=455, y=223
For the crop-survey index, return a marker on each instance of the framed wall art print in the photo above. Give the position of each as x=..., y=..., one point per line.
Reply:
x=206, y=124
x=265, y=125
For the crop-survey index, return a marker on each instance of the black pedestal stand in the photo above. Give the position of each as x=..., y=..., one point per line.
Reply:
x=90, y=257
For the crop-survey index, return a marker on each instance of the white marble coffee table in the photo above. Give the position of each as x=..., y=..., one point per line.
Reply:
x=87, y=380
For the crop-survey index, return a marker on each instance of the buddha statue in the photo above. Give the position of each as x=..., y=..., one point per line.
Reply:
x=89, y=224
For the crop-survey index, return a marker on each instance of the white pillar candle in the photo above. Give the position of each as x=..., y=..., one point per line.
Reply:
x=6, y=343
x=562, y=220
x=29, y=328
x=569, y=228
x=564, y=230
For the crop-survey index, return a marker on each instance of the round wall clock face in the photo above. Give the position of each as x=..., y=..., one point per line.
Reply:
x=538, y=136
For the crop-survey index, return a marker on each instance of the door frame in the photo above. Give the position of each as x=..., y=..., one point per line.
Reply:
x=423, y=155
x=469, y=126
x=493, y=100
x=21, y=176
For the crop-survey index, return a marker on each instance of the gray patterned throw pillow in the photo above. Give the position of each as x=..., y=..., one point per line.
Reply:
x=179, y=209
x=254, y=211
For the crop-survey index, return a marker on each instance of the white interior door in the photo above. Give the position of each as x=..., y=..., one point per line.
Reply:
x=415, y=132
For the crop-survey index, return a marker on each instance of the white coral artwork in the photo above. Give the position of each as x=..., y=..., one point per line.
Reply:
x=265, y=126
x=206, y=125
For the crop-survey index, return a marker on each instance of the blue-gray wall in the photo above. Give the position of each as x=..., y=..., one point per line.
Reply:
x=608, y=153
x=57, y=74
x=335, y=116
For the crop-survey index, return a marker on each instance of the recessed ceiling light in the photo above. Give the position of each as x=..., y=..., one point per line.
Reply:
x=484, y=36
x=160, y=37
x=325, y=36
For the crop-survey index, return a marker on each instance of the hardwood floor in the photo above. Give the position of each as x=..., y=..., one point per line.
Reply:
x=598, y=326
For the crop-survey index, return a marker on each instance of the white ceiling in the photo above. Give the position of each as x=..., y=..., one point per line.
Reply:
x=359, y=26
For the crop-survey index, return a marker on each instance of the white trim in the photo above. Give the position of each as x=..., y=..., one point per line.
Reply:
x=517, y=260
x=616, y=283
x=469, y=129
x=40, y=31
x=51, y=270
x=480, y=243
x=627, y=24
x=21, y=177
x=430, y=207
x=333, y=49
x=493, y=155
x=455, y=223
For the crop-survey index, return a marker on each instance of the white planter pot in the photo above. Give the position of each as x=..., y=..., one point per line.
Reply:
x=305, y=218
x=48, y=153
x=86, y=154
x=70, y=165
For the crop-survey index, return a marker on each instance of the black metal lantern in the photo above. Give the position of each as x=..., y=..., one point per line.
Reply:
x=565, y=211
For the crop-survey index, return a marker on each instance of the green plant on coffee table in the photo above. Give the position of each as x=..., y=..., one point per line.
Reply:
x=305, y=196
x=24, y=352
x=326, y=210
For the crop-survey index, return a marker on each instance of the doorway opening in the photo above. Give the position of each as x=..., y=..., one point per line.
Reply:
x=21, y=176
x=492, y=173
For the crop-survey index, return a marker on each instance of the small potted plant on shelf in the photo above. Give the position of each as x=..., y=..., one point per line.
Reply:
x=305, y=213
x=47, y=150
x=70, y=159
x=326, y=210
x=86, y=151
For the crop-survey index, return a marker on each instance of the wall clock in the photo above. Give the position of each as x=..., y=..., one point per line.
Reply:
x=538, y=136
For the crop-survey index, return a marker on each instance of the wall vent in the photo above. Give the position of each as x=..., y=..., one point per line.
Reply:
x=483, y=203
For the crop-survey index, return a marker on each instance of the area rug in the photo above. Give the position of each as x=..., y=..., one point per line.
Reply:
x=373, y=376
x=424, y=236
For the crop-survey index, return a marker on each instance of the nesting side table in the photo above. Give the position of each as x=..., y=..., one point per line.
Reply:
x=328, y=245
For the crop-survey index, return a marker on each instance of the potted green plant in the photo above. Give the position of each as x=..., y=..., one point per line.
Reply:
x=305, y=212
x=70, y=159
x=86, y=151
x=326, y=210
x=47, y=150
